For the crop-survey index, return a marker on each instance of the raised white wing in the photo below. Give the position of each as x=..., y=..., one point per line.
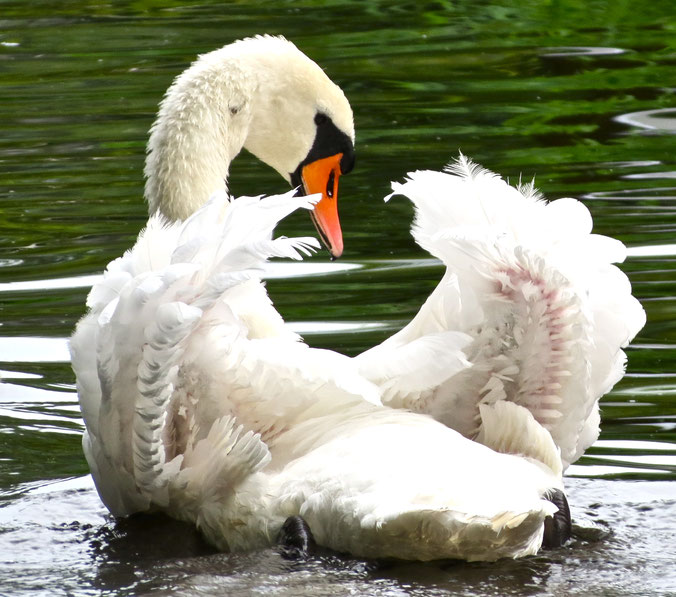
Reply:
x=182, y=357
x=547, y=311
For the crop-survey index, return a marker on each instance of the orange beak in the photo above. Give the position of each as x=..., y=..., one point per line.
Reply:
x=321, y=176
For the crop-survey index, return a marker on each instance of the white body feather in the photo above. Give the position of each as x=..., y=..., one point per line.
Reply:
x=207, y=408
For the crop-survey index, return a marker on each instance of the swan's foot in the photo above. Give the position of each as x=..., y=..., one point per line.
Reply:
x=558, y=528
x=295, y=538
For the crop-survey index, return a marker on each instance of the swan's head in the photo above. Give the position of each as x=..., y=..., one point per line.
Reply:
x=262, y=94
x=302, y=126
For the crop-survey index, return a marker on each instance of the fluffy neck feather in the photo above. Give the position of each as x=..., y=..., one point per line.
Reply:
x=260, y=93
x=200, y=128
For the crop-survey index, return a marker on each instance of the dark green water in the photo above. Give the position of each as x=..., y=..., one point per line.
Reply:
x=581, y=95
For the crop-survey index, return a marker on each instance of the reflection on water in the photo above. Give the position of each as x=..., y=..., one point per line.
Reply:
x=31, y=350
x=663, y=120
x=652, y=251
x=53, y=284
x=581, y=51
x=573, y=93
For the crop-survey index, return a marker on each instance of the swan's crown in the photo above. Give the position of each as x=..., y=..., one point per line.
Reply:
x=261, y=93
x=291, y=91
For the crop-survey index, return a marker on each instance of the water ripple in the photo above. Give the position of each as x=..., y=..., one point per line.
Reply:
x=663, y=119
x=651, y=251
x=565, y=51
x=34, y=350
x=272, y=270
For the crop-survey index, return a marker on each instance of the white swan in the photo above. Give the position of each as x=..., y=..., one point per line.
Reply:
x=199, y=402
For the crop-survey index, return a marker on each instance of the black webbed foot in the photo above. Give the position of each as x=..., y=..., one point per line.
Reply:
x=558, y=528
x=295, y=538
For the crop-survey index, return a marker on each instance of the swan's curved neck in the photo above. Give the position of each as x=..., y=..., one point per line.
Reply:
x=201, y=126
x=261, y=93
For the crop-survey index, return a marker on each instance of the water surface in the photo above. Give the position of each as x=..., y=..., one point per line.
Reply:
x=578, y=94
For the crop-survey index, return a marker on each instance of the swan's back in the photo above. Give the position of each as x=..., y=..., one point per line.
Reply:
x=179, y=335
x=547, y=309
x=200, y=403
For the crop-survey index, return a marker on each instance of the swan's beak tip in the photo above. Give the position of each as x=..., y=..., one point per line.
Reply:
x=336, y=251
x=321, y=176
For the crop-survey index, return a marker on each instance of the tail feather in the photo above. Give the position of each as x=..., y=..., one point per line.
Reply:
x=512, y=429
x=220, y=461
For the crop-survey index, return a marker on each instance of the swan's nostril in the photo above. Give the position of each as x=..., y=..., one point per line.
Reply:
x=330, y=184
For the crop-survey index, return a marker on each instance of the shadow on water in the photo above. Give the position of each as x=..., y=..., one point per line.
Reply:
x=59, y=536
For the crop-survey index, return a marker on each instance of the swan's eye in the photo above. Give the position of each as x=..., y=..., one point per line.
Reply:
x=331, y=184
x=320, y=118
